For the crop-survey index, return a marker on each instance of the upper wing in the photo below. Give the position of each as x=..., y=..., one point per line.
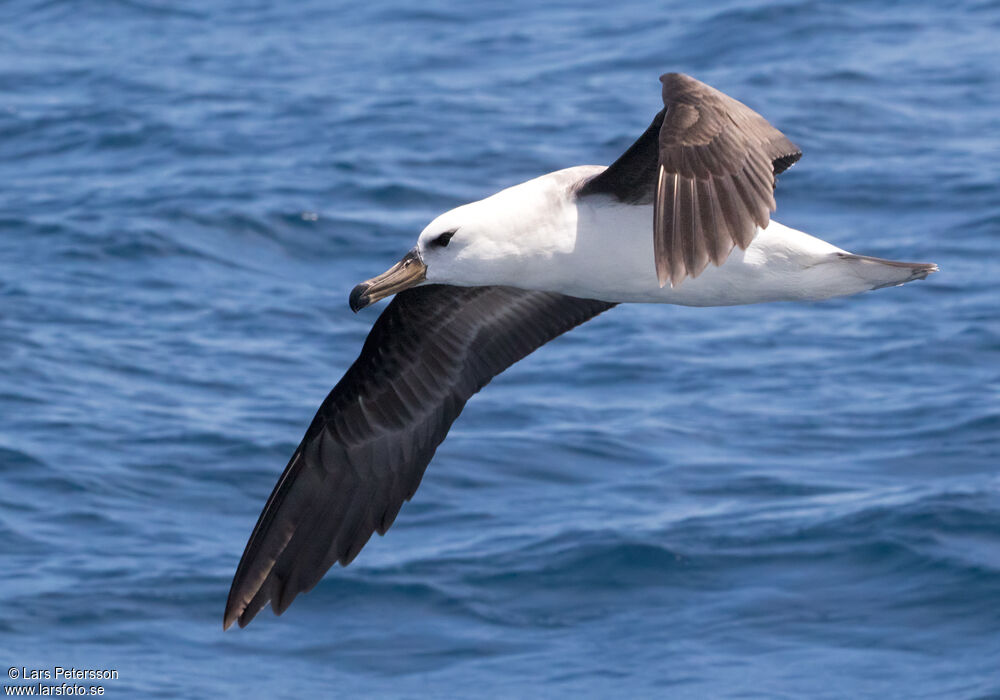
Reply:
x=366, y=450
x=708, y=163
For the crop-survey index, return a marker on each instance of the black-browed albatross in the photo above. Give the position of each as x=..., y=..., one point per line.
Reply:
x=682, y=217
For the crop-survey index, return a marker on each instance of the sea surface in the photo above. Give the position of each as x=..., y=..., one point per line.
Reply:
x=786, y=500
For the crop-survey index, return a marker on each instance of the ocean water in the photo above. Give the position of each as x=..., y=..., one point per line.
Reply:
x=768, y=501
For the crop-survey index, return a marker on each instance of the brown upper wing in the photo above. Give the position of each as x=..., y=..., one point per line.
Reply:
x=365, y=452
x=708, y=163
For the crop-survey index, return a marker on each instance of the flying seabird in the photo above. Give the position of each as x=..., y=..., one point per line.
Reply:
x=682, y=217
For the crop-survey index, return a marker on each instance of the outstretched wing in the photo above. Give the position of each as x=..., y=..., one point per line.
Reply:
x=366, y=450
x=708, y=164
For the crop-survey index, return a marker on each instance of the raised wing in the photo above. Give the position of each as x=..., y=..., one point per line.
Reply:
x=708, y=164
x=366, y=450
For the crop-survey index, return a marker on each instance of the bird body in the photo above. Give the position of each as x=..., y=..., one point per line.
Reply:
x=595, y=247
x=682, y=217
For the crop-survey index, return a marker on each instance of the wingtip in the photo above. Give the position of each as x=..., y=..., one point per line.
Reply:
x=239, y=618
x=663, y=274
x=234, y=614
x=668, y=282
x=233, y=609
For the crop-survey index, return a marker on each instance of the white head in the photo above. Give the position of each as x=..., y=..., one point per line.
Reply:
x=497, y=240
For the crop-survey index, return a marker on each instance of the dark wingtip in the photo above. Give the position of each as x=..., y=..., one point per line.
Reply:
x=235, y=613
x=359, y=297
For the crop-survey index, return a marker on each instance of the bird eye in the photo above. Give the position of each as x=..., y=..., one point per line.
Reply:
x=443, y=239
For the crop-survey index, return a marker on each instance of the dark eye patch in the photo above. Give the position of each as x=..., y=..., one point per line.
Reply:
x=444, y=239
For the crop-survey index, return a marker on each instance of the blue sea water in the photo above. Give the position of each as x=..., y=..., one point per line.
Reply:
x=767, y=501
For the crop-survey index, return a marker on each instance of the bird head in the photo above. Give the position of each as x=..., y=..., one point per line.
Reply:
x=499, y=240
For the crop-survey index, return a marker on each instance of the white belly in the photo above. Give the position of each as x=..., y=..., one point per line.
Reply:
x=608, y=255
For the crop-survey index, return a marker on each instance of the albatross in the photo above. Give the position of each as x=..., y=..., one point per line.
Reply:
x=682, y=217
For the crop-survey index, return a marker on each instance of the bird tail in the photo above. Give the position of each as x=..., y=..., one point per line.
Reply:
x=886, y=273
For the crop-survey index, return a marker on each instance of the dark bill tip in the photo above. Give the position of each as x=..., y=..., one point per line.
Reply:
x=408, y=272
x=359, y=297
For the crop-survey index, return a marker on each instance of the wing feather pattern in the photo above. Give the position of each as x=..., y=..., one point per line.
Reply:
x=708, y=164
x=366, y=450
